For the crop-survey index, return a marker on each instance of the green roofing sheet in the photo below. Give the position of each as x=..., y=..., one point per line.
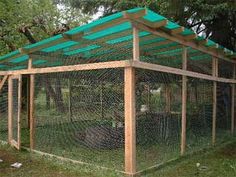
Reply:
x=17, y=60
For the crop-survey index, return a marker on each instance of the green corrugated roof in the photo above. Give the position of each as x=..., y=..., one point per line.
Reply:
x=17, y=60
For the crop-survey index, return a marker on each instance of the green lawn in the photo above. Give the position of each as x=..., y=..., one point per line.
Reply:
x=216, y=162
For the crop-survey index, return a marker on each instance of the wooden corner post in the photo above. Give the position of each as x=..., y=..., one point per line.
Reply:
x=215, y=74
x=184, y=102
x=10, y=108
x=233, y=104
x=31, y=107
x=130, y=111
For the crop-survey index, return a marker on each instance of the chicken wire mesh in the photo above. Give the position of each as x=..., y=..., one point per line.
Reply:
x=15, y=110
x=158, y=117
x=223, y=114
x=199, y=114
x=80, y=115
x=4, y=112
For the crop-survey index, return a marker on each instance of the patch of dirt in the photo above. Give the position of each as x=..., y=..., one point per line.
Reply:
x=229, y=151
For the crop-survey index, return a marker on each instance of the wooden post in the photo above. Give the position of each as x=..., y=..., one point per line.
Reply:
x=10, y=105
x=101, y=101
x=69, y=100
x=233, y=104
x=19, y=112
x=214, y=73
x=31, y=107
x=184, y=102
x=130, y=122
x=130, y=110
x=136, y=51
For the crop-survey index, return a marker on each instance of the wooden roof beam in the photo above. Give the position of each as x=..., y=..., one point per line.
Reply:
x=192, y=44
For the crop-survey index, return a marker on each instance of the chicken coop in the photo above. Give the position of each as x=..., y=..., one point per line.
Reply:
x=128, y=92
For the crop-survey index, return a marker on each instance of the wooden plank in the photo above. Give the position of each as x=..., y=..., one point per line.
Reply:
x=166, y=69
x=34, y=49
x=174, y=31
x=233, y=103
x=188, y=37
x=214, y=74
x=3, y=82
x=135, y=44
x=10, y=109
x=69, y=100
x=130, y=121
x=31, y=111
x=192, y=44
x=79, y=67
x=19, y=113
x=184, y=103
x=28, y=92
x=134, y=15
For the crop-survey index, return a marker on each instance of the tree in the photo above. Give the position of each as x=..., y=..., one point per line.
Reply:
x=28, y=21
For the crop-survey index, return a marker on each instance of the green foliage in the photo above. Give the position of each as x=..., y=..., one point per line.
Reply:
x=41, y=17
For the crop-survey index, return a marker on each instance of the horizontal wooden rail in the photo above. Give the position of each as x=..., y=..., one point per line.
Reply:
x=167, y=69
x=79, y=67
x=118, y=64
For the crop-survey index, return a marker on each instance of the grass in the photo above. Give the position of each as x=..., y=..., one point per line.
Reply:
x=215, y=162
x=60, y=139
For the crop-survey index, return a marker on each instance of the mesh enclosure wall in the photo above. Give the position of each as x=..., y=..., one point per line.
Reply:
x=80, y=115
x=223, y=116
x=199, y=114
x=225, y=69
x=4, y=112
x=199, y=62
x=15, y=84
x=158, y=115
x=158, y=50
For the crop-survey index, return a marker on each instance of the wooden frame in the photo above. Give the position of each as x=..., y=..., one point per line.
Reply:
x=233, y=104
x=215, y=74
x=130, y=121
x=184, y=102
x=11, y=140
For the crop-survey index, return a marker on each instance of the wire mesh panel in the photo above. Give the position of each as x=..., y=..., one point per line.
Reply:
x=15, y=85
x=223, y=116
x=158, y=116
x=199, y=62
x=80, y=115
x=158, y=50
x=4, y=112
x=226, y=69
x=199, y=114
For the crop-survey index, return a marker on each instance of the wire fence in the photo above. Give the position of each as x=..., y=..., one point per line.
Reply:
x=80, y=115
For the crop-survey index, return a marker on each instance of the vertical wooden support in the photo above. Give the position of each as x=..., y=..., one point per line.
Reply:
x=130, y=122
x=135, y=44
x=214, y=73
x=130, y=110
x=101, y=101
x=31, y=107
x=10, y=108
x=19, y=112
x=69, y=100
x=184, y=102
x=233, y=104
